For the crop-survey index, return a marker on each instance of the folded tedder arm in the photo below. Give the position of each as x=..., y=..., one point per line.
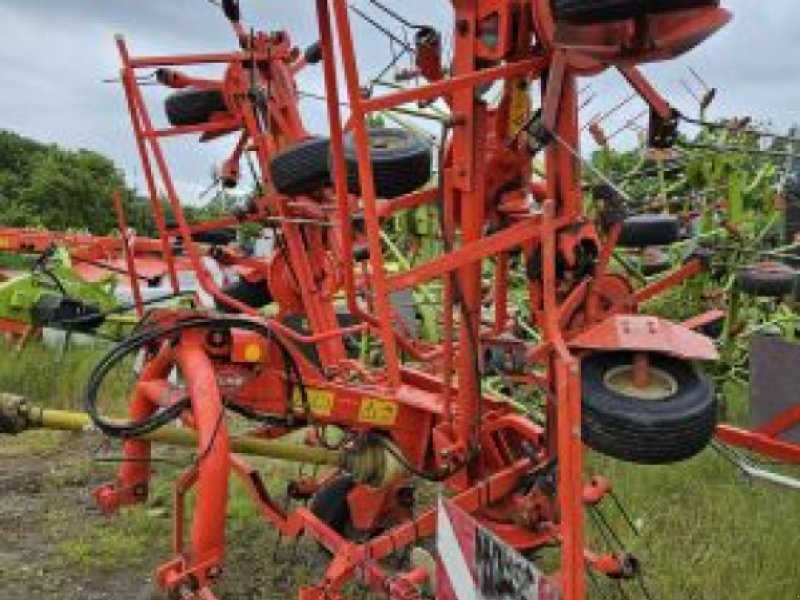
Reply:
x=419, y=410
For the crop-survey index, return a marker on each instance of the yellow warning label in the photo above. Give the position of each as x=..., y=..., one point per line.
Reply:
x=252, y=353
x=520, y=109
x=320, y=402
x=377, y=412
x=5, y=243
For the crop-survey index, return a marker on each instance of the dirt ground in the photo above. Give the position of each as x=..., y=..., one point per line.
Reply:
x=54, y=545
x=34, y=513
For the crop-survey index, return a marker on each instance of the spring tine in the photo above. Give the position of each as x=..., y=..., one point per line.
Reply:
x=629, y=124
x=617, y=107
x=625, y=514
x=381, y=28
x=586, y=102
x=643, y=586
x=397, y=17
x=590, y=167
x=699, y=79
x=596, y=585
x=688, y=88
x=610, y=529
x=622, y=591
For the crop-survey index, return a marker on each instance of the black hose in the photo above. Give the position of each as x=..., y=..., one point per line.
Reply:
x=168, y=414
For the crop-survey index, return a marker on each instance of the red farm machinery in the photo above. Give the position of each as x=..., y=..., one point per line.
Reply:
x=608, y=377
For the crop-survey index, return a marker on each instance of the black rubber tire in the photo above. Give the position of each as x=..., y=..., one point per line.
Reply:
x=401, y=162
x=303, y=168
x=253, y=294
x=215, y=237
x=767, y=280
x=641, y=231
x=584, y=12
x=330, y=505
x=646, y=431
x=193, y=107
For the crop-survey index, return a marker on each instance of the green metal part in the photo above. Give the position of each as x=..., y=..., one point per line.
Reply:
x=20, y=294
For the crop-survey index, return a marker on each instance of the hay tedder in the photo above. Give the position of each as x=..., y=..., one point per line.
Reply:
x=619, y=382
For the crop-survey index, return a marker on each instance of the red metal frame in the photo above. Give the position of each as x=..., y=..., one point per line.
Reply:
x=438, y=420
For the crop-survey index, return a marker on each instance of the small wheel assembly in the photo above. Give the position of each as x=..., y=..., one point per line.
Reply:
x=401, y=162
x=767, y=279
x=650, y=409
x=642, y=231
x=302, y=168
x=193, y=107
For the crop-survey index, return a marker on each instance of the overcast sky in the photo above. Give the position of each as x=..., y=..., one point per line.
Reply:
x=54, y=55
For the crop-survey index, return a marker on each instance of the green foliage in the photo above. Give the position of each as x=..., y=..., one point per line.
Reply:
x=713, y=165
x=47, y=186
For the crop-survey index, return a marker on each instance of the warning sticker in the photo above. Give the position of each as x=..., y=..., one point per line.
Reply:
x=320, y=402
x=377, y=412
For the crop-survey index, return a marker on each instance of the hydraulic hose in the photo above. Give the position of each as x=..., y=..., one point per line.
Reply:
x=164, y=416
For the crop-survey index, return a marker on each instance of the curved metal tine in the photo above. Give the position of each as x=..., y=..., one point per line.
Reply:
x=601, y=528
x=397, y=17
x=596, y=585
x=381, y=28
x=621, y=592
x=752, y=470
x=395, y=59
x=616, y=108
x=644, y=587
x=624, y=512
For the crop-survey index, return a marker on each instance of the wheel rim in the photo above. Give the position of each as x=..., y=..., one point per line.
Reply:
x=660, y=384
x=387, y=141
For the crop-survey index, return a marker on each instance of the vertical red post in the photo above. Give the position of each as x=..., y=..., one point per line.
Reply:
x=130, y=260
x=368, y=195
x=337, y=148
x=501, y=293
x=467, y=181
x=565, y=201
x=128, y=83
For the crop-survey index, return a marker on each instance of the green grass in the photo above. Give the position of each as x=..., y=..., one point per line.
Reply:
x=706, y=534
x=51, y=379
x=16, y=262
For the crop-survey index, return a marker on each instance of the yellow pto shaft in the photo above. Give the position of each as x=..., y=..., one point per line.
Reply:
x=374, y=463
x=17, y=415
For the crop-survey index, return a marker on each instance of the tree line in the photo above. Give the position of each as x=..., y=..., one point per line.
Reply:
x=46, y=186
x=43, y=185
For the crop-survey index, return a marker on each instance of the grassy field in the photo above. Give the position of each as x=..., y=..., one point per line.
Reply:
x=705, y=533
